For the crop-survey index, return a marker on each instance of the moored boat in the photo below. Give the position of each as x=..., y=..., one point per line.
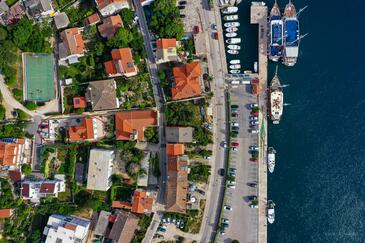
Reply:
x=230, y=17
x=255, y=67
x=230, y=10
x=232, y=24
x=271, y=159
x=231, y=34
x=275, y=34
x=270, y=211
x=235, y=61
x=233, y=41
x=231, y=29
x=276, y=99
x=234, y=47
x=233, y=52
x=236, y=66
x=291, y=36
x=235, y=71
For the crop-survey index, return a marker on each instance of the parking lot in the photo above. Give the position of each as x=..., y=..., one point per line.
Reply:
x=242, y=219
x=190, y=15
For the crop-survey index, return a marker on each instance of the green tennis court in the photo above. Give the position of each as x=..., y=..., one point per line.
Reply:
x=38, y=75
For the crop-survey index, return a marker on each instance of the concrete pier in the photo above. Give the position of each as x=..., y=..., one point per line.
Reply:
x=259, y=12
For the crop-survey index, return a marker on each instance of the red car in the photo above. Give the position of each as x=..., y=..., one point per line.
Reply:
x=253, y=159
x=215, y=35
x=235, y=144
x=196, y=29
x=254, y=113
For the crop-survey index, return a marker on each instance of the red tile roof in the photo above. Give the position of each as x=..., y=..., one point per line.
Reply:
x=141, y=202
x=103, y=3
x=187, y=81
x=25, y=190
x=126, y=122
x=15, y=175
x=9, y=152
x=122, y=63
x=93, y=19
x=166, y=43
x=79, y=102
x=70, y=226
x=120, y=204
x=83, y=132
x=175, y=149
x=72, y=40
x=5, y=213
x=47, y=187
x=110, y=26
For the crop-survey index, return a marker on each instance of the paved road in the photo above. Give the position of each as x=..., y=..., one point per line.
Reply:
x=156, y=219
x=243, y=219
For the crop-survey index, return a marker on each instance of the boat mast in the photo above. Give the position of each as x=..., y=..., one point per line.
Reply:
x=301, y=10
x=299, y=38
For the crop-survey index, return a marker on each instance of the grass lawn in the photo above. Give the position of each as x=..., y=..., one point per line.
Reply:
x=10, y=2
x=195, y=218
x=17, y=87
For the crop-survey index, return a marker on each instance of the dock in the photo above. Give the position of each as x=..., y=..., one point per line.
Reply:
x=258, y=16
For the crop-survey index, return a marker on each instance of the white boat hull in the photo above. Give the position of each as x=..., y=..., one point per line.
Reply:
x=233, y=52
x=230, y=35
x=236, y=61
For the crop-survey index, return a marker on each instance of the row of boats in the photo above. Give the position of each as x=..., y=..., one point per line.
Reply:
x=284, y=35
x=232, y=41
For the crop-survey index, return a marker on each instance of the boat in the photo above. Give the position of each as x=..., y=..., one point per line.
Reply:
x=255, y=67
x=234, y=47
x=233, y=41
x=231, y=24
x=230, y=10
x=231, y=17
x=271, y=159
x=247, y=72
x=291, y=36
x=270, y=211
x=275, y=34
x=235, y=71
x=236, y=66
x=276, y=99
x=231, y=29
x=231, y=34
x=233, y=52
x=235, y=61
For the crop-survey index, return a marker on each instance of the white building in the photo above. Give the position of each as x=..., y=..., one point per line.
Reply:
x=100, y=169
x=62, y=228
x=34, y=190
x=109, y=7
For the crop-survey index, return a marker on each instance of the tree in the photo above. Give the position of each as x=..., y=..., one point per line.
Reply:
x=26, y=169
x=3, y=34
x=2, y=112
x=22, y=31
x=99, y=48
x=127, y=16
x=30, y=105
x=121, y=39
x=151, y=134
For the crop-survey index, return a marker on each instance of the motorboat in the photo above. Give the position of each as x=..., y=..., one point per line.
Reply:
x=231, y=29
x=231, y=17
x=232, y=24
x=233, y=41
x=255, y=67
x=234, y=47
x=233, y=52
x=271, y=159
x=247, y=72
x=270, y=211
x=236, y=66
x=230, y=10
x=234, y=71
x=231, y=34
x=235, y=61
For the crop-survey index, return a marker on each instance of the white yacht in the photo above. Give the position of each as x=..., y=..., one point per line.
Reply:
x=271, y=159
x=235, y=61
x=234, y=47
x=235, y=71
x=270, y=211
x=231, y=17
x=231, y=34
x=232, y=24
x=236, y=66
x=233, y=41
x=231, y=29
x=233, y=52
x=230, y=10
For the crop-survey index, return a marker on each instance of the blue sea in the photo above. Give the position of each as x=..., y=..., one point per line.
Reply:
x=319, y=180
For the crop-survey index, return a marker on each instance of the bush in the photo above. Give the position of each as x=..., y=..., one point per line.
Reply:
x=26, y=169
x=30, y=105
x=2, y=112
x=199, y=173
x=151, y=134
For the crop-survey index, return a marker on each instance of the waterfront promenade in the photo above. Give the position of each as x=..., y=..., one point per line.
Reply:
x=259, y=16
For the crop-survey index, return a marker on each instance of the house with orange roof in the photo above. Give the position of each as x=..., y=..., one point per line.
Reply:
x=175, y=149
x=72, y=46
x=14, y=152
x=130, y=125
x=5, y=213
x=187, y=81
x=89, y=129
x=166, y=50
x=92, y=19
x=110, y=26
x=79, y=102
x=142, y=202
x=122, y=63
x=110, y=7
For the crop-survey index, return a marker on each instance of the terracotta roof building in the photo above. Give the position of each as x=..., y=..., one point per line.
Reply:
x=121, y=63
x=34, y=190
x=110, y=26
x=86, y=131
x=102, y=95
x=175, y=149
x=5, y=213
x=79, y=102
x=121, y=205
x=130, y=125
x=72, y=46
x=177, y=184
x=93, y=19
x=142, y=202
x=13, y=152
x=15, y=175
x=110, y=7
x=187, y=81
x=124, y=227
x=166, y=50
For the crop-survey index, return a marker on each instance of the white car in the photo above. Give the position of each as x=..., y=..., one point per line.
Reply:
x=254, y=118
x=231, y=186
x=254, y=131
x=235, y=149
x=206, y=157
x=232, y=182
x=227, y=207
x=254, y=122
x=253, y=147
x=226, y=221
x=235, y=124
x=225, y=145
x=253, y=105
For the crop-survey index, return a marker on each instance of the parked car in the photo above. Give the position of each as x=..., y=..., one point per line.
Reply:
x=182, y=15
x=254, y=118
x=214, y=26
x=235, y=129
x=182, y=2
x=254, y=147
x=206, y=157
x=253, y=159
x=235, y=124
x=235, y=149
x=253, y=197
x=181, y=7
x=235, y=144
x=252, y=113
x=196, y=29
x=201, y=191
x=221, y=172
x=224, y=145
x=253, y=131
x=234, y=107
x=253, y=105
x=227, y=207
x=252, y=184
x=254, y=122
x=234, y=114
x=231, y=186
x=162, y=229
x=215, y=35
x=226, y=221
x=232, y=182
